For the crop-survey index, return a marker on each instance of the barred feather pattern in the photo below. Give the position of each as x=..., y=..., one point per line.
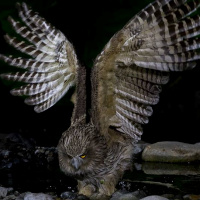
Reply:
x=166, y=42
x=159, y=39
x=52, y=68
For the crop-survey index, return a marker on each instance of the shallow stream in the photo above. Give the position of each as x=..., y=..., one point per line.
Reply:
x=152, y=178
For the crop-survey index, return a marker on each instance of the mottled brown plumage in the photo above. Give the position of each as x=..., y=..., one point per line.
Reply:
x=126, y=80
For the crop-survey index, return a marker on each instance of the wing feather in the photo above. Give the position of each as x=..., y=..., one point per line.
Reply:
x=129, y=72
x=52, y=68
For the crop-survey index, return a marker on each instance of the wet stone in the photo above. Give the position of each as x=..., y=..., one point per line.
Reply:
x=37, y=196
x=123, y=195
x=171, y=152
x=4, y=191
x=68, y=195
x=154, y=197
x=10, y=197
x=139, y=194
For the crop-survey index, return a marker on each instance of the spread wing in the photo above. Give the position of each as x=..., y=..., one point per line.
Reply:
x=128, y=74
x=52, y=68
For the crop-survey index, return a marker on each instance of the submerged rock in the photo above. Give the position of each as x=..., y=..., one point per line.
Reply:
x=154, y=197
x=171, y=152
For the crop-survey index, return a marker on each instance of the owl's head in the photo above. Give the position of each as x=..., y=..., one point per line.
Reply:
x=81, y=150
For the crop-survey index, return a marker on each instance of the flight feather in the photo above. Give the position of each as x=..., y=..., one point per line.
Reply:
x=136, y=62
x=52, y=68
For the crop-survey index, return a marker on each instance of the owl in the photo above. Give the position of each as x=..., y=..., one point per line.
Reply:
x=125, y=81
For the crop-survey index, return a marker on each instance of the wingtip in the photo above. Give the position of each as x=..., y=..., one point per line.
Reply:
x=15, y=92
x=37, y=109
x=29, y=102
x=10, y=19
x=6, y=37
x=25, y=6
x=18, y=7
x=2, y=57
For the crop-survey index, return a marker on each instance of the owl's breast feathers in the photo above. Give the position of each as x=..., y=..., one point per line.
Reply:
x=99, y=155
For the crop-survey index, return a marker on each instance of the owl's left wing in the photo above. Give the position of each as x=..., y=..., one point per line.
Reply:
x=52, y=68
x=128, y=74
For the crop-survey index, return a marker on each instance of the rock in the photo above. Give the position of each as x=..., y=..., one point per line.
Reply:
x=10, y=197
x=4, y=153
x=154, y=197
x=22, y=195
x=157, y=168
x=4, y=191
x=139, y=147
x=191, y=197
x=120, y=195
x=171, y=152
x=37, y=196
x=139, y=194
x=168, y=196
x=68, y=195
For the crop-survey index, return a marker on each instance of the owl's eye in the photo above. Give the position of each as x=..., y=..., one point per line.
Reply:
x=83, y=156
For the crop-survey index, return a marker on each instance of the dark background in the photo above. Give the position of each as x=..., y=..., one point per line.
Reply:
x=89, y=25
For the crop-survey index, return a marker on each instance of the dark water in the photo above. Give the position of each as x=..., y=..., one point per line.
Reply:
x=25, y=178
x=152, y=178
x=163, y=178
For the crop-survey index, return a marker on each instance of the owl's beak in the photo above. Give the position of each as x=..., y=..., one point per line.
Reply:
x=76, y=162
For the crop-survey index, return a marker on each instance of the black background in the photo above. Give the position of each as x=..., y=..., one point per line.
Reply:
x=89, y=25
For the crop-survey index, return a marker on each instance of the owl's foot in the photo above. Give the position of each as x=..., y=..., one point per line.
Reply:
x=86, y=190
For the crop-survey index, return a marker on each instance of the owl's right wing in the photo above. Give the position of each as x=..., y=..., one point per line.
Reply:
x=53, y=66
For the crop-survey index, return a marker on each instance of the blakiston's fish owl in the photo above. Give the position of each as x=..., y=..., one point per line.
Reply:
x=126, y=81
